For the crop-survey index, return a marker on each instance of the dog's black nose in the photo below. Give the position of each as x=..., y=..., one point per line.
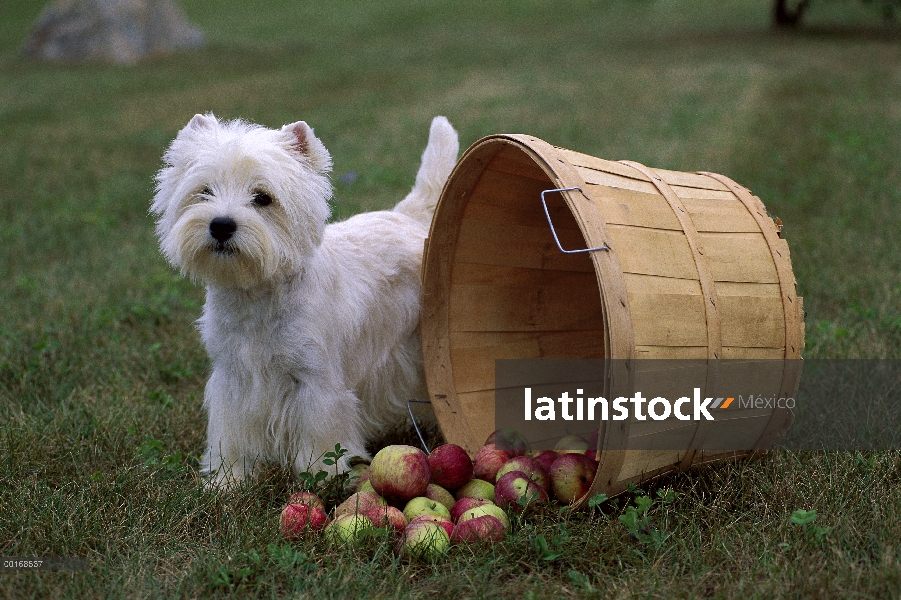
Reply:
x=223, y=228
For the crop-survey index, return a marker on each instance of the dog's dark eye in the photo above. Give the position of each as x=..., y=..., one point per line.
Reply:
x=206, y=192
x=262, y=199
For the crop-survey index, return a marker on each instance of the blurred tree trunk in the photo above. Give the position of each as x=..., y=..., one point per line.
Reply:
x=787, y=14
x=119, y=31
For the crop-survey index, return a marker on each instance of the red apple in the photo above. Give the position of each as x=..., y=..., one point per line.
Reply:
x=476, y=488
x=510, y=440
x=545, y=458
x=359, y=503
x=464, y=504
x=444, y=522
x=299, y=519
x=399, y=473
x=306, y=498
x=571, y=476
x=516, y=486
x=486, y=528
x=451, y=466
x=489, y=460
x=387, y=516
x=530, y=467
x=592, y=454
x=424, y=540
x=439, y=494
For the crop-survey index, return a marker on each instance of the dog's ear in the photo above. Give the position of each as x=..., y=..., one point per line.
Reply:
x=304, y=142
x=202, y=122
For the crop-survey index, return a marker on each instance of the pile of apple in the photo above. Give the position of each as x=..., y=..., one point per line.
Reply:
x=443, y=498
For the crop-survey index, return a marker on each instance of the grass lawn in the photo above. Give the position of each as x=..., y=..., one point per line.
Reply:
x=102, y=371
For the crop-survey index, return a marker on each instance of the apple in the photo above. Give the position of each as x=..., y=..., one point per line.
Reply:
x=592, y=454
x=571, y=443
x=571, y=476
x=358, y=475
x=476, y=488
x=486, y=509
x=451, y=466
x=545, y=458
x=486, y=528
x=424, y=540
x=347, y=528
x=359, y=502
x=439, y=494
x=298, y=519
x=530, y=467
x=306, y=498
x=424, y=506
x=444, y=522
x=510, y=440
x=464, y=504
x=387, y=516
x=399, y=473
x=489, y=459
x=366, y=486
x=515, y=486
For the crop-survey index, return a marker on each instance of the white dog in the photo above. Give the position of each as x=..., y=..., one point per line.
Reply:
x=311, y=328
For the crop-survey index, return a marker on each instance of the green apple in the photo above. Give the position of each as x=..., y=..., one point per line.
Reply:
x=476, y=488
x=423, y=540
x=425, y=506
x=439, y=494
x=347, y=528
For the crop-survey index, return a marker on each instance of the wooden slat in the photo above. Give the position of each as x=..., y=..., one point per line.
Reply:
x=644, y=462
x=578, y=282
x=747, y=289
x=478, y=410
x=502, y=198
x=653, y=284
x=532, y=308
x=753, y=322
x=633, y=183
x=724, y=215
x=739, y=257
x=629, y=207
x=672, y=178
x=519, y=246
x=513, y=161
x=653, y=252
x=668, y=320
x=671, y=352
x=734, y=352
x=473, y=353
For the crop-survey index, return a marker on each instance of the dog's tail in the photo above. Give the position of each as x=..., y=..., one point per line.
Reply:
x=438, y=161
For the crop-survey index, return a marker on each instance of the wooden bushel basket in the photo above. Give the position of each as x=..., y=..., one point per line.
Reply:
x=686, y=266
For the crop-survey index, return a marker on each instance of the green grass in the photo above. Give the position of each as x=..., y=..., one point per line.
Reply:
x=102, y=372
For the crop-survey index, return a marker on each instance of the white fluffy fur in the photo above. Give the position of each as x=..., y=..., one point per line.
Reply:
x=311, y=328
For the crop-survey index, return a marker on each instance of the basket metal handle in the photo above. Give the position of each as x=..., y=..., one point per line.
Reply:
x=547, y=213
x=416, y=425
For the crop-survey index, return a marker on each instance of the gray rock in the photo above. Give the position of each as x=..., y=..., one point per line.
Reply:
x=118, y=31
